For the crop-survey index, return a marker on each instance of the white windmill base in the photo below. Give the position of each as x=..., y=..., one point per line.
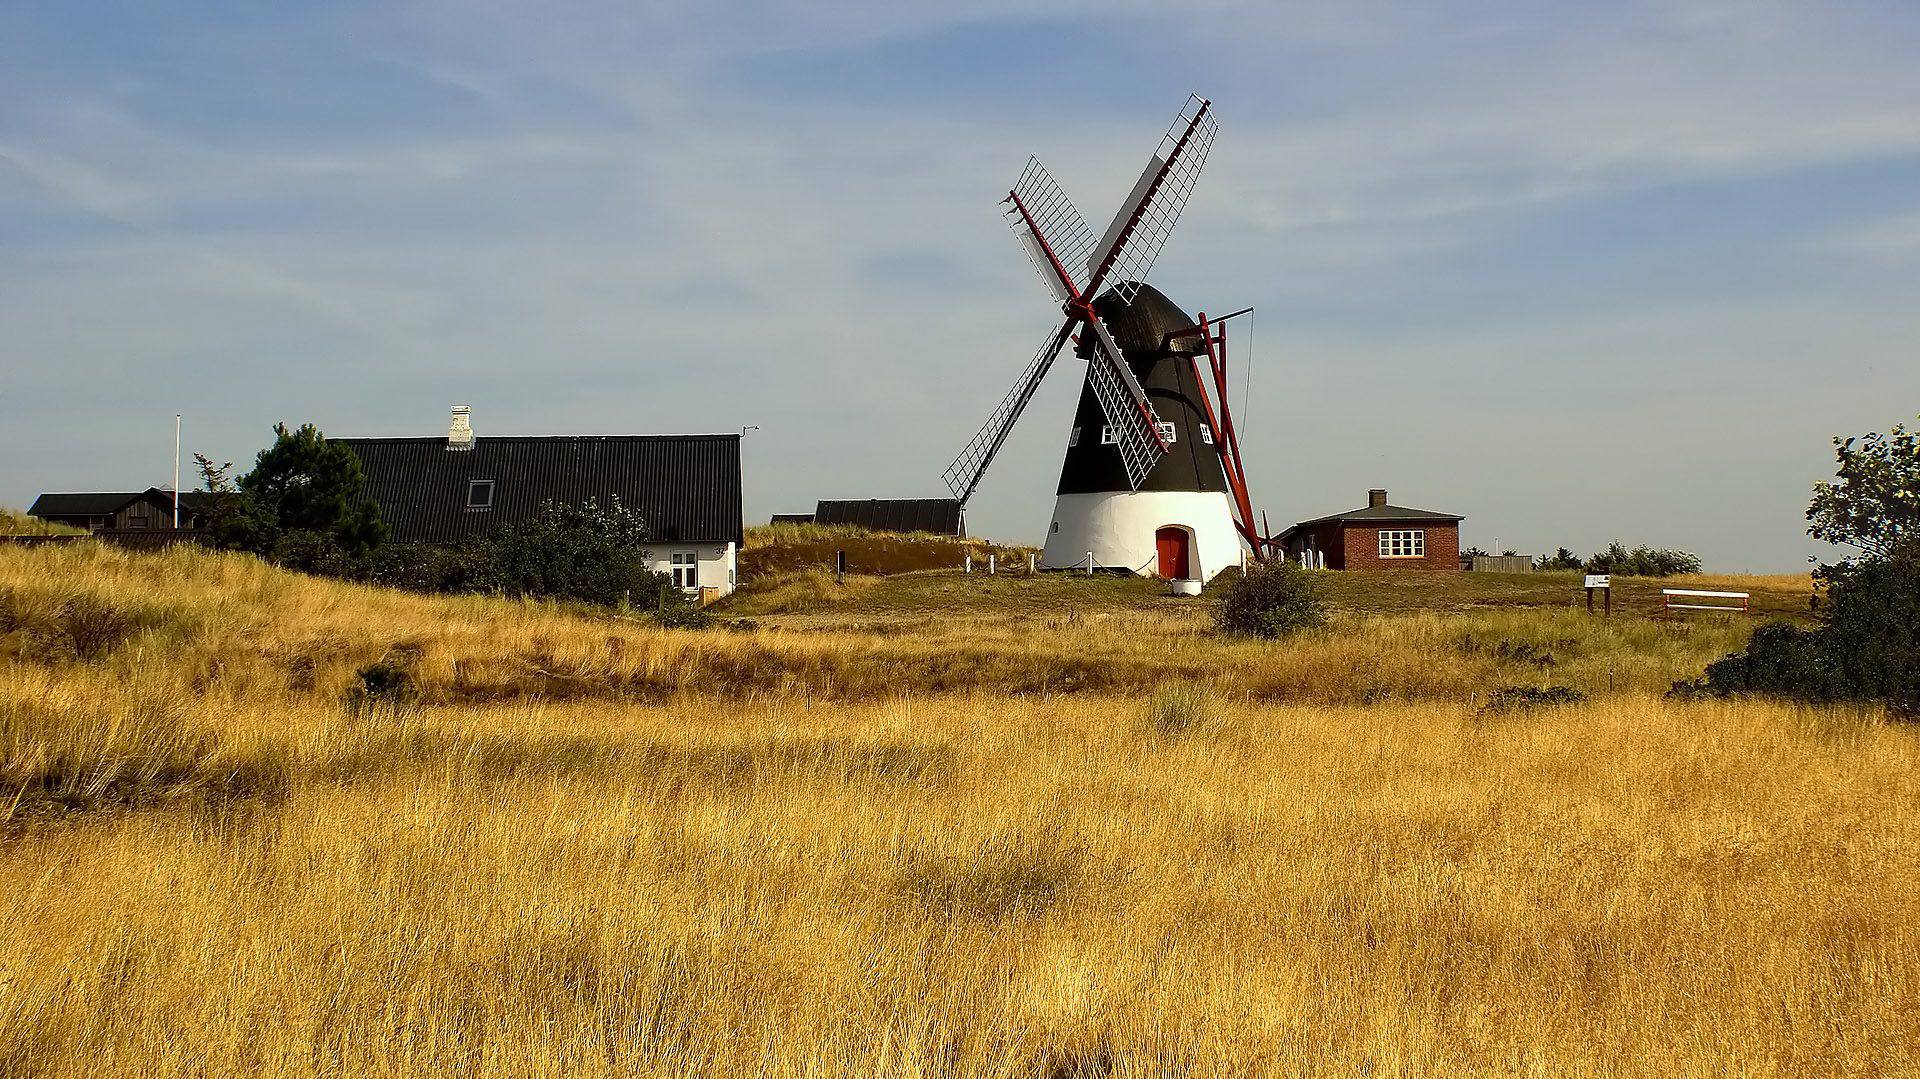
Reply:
x=1118, y=528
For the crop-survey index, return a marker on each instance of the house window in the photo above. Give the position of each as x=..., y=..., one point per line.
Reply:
x=1403, y=543
x=1166, y=432
x=1073, y=438
x=479, y=494
x=1107, y=437
x=686, y=570
x=1206, y=434
x=137, y=517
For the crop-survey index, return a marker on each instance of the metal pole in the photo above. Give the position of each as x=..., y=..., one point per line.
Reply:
x=176, y=472
x=840, y=564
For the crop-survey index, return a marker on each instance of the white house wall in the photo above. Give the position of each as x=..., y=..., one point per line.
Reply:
x=1118, y=528
x=718, y=564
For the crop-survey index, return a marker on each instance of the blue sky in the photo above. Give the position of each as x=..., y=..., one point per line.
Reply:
x=1579, y=272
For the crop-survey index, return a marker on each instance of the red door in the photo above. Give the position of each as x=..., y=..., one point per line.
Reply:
x=1172, y=545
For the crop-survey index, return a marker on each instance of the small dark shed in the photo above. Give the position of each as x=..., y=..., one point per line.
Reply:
x=119, y=511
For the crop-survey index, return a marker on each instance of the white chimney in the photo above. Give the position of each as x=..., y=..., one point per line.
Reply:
x=460, y=435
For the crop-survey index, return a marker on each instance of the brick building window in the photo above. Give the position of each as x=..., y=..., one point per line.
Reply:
x=1403, y=543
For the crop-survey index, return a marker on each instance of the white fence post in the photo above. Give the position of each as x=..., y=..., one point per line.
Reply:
x=993, y=563
x=968, y=566
x=1089, y=563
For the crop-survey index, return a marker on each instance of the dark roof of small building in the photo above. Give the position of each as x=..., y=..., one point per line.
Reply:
x=686, y=487
x=1377, y=514
x=938, y=515
x=791, y=519
x=105, y=503
x=79, y=504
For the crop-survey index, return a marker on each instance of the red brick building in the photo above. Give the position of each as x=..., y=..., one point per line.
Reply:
x=1377, y=536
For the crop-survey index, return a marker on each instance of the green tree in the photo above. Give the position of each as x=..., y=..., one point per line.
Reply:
x=305, y=484
x=1867, y=647
x=1873, y=502
x=1562, y=559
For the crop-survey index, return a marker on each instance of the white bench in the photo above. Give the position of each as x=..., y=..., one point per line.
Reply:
x=1695, y=593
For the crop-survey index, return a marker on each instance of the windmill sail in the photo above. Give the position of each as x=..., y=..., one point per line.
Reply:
x=1138, y=232
x=1050, y=229
x=1129, y=415
x=963, y=475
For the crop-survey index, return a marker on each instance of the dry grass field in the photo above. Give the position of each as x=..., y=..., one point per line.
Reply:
x=1071, y=834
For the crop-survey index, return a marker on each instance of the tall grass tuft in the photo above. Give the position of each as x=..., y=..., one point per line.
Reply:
x=1177, y=708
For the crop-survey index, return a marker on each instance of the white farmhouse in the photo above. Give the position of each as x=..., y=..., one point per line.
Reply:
x=444, y=489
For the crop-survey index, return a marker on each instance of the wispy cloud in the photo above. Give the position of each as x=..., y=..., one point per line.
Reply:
x=594, y=216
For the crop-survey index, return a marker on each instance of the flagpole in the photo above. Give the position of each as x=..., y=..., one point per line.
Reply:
x=176, y=472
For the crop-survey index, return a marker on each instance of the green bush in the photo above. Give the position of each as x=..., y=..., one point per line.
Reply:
x=387, y=686
x=581, y=552
x=1868, y=649
x=1272, y=600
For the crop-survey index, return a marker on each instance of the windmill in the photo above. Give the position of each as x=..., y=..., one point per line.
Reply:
x=1152, y=481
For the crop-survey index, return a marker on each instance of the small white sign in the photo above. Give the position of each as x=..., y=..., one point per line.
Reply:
x=1599, y=580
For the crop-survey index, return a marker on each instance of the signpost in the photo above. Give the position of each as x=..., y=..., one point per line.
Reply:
x=1603, y=584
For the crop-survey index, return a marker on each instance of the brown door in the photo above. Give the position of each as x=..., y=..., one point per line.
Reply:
x=1172, y=545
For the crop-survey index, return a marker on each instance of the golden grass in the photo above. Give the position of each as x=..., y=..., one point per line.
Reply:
x=16, y=523
x=982, y=887
x=601, y=848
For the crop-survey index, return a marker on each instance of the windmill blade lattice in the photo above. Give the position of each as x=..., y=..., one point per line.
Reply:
x=1060, y=227
x=963, y=475
x=1124, y=404
x=1138, y=232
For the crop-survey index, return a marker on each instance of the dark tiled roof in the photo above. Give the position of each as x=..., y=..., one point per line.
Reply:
x=939, y=515
x=106, y=504
x=96, y=504
x=687, y=487
x=1377, y=514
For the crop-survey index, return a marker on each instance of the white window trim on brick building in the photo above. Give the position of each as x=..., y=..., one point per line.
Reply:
x=1403, y=543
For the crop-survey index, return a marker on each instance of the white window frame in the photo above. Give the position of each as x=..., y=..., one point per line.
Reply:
x=480, y=485
x=684, y=567
x=1167, y=431
x=1073, y=438
x=1403, y=543
x=1107, y=437
x=1206, y=434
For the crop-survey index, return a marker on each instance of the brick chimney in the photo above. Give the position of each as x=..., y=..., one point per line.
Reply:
x=459, y=433
x=1376, y=498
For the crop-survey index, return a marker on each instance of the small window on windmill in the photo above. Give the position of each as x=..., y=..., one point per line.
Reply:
x=1206, y=434
x=1106, y=435
x=1166, y=432
x=479, y=494
x=1073, y=438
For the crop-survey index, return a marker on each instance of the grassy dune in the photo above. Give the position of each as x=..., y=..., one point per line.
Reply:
x=598, y=848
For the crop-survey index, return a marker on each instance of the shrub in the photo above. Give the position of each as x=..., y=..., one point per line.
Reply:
x=1270, y=601
x=386, y=686
x=581, y=552
x=1868, y=649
